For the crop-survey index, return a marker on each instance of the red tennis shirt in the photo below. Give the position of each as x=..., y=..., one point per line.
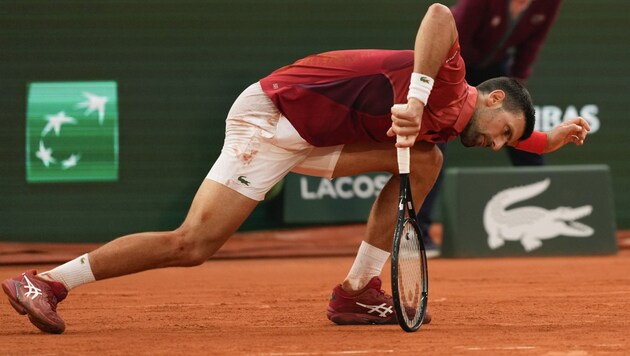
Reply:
x=344, y=97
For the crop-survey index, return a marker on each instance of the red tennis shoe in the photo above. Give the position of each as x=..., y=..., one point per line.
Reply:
x=368, y=306
x=37, y=297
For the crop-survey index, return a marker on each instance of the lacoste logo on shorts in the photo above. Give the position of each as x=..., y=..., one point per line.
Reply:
x=243, y=180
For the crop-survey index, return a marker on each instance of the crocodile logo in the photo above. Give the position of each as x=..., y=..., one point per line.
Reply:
x=243, y=180
x=531, y=224
x=424, y=79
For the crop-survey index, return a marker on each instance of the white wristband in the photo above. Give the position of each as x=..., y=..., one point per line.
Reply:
x=420, y=87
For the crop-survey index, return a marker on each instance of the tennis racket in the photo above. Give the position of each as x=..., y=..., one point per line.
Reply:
x=410, y=278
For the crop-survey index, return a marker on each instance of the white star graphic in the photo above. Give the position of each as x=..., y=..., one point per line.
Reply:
x=94, y=103
x=45, y=154
x=55, y=122
x=71, y=161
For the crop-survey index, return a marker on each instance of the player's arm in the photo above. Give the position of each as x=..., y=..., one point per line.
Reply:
x=436, y=36
x=573, y=130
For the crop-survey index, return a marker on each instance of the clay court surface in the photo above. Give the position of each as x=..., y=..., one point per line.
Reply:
x=276, y=306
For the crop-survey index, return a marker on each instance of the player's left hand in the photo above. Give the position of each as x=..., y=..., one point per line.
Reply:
x=406, y=122
x=573, y=130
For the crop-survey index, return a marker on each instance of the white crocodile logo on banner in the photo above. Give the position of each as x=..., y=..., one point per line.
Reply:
x=530, y=224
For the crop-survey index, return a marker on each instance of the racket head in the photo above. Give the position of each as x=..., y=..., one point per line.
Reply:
x=410, y=279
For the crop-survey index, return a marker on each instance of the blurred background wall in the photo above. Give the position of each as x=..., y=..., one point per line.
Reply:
x=178, y=66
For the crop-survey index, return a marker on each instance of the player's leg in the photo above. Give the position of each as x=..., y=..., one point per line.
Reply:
x=250, y=164
x=374, y=252
x=425, y=212
x=215, y=214
x=359, y=299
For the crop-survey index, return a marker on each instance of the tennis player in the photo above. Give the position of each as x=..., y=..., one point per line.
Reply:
x=327, y=115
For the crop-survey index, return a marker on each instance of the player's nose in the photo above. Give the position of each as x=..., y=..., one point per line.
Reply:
x=498, y=143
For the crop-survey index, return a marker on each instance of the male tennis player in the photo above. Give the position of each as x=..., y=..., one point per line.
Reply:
x=326, y=115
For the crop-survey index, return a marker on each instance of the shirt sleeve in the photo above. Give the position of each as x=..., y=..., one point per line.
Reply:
x=535, y=143
x=448, y=82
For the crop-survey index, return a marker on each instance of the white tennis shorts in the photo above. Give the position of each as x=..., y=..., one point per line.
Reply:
x=261, y=147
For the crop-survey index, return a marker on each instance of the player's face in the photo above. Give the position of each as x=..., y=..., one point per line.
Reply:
x=494, y=128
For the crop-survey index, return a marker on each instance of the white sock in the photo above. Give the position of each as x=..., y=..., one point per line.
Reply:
x=72, y=274
x=368, y=264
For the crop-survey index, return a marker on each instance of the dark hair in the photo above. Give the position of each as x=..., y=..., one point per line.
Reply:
x=517, y=100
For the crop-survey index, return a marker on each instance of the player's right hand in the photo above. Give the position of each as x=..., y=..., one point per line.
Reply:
x=406, y=122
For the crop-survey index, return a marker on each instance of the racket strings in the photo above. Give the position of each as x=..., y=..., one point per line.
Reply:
x=410, y=277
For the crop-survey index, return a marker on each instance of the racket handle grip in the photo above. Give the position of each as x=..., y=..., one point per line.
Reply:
x=403, y=158
x=402, y=153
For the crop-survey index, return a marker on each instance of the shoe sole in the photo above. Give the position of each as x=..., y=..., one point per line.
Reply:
x=362, y=319
x=358, y=319
x=36, y=319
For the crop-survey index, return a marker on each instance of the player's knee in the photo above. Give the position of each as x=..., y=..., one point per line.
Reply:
x=434, y=165
x=436, y=158
x=426, y=162
x=188, y=247
x=428, y=156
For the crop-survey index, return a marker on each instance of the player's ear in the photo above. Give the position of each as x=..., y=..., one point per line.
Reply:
x=495, y=98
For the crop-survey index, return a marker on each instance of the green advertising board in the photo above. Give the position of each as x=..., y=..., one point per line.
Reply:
x=528, y=211
x=72, y=132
